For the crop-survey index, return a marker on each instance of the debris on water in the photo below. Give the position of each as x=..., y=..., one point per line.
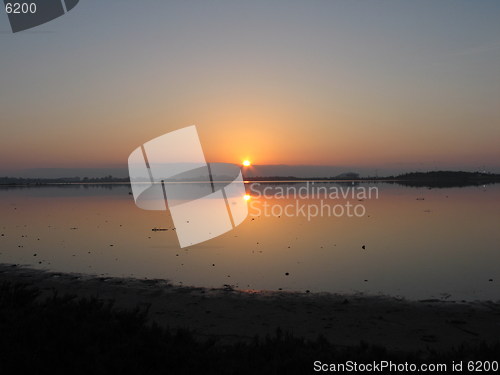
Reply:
x=34, y=255
x=308, y=291
x=286, y=274
x=366, y=280
x=490, y=280
x=73, y=228
x=159, y=229
x=363, y=247
x=111, y=245
x=420, y=199
x=176, y=255
x=213, y=264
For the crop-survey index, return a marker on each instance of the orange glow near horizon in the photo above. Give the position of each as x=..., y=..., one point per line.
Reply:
x=247, y=163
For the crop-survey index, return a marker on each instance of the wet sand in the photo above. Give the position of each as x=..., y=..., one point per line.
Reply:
x=233, y=315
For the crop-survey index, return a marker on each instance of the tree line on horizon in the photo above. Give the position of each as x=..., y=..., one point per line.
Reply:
x=430, y=178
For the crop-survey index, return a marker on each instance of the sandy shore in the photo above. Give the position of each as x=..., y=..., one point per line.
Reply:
x=241, y=314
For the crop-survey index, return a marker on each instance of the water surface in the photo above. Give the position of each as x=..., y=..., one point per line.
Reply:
x=418, y=242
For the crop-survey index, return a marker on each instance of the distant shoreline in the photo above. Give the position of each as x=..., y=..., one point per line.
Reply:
x=414, y=179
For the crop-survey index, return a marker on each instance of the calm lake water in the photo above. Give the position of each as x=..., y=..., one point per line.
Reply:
x=418, y=242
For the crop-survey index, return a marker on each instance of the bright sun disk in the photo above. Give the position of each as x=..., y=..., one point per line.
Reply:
x=246, y=163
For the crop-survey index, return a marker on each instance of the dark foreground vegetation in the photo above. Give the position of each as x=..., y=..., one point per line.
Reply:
x=66, y=335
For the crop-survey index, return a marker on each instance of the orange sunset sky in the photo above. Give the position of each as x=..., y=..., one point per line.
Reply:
x=380, y=85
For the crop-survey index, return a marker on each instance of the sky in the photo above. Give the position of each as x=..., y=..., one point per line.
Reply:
x=370, y=86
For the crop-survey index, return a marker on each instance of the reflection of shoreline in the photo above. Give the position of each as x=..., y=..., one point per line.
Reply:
x=238, y=315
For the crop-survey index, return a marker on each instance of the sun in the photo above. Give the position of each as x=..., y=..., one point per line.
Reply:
x=246, y=197
x=247, y=163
